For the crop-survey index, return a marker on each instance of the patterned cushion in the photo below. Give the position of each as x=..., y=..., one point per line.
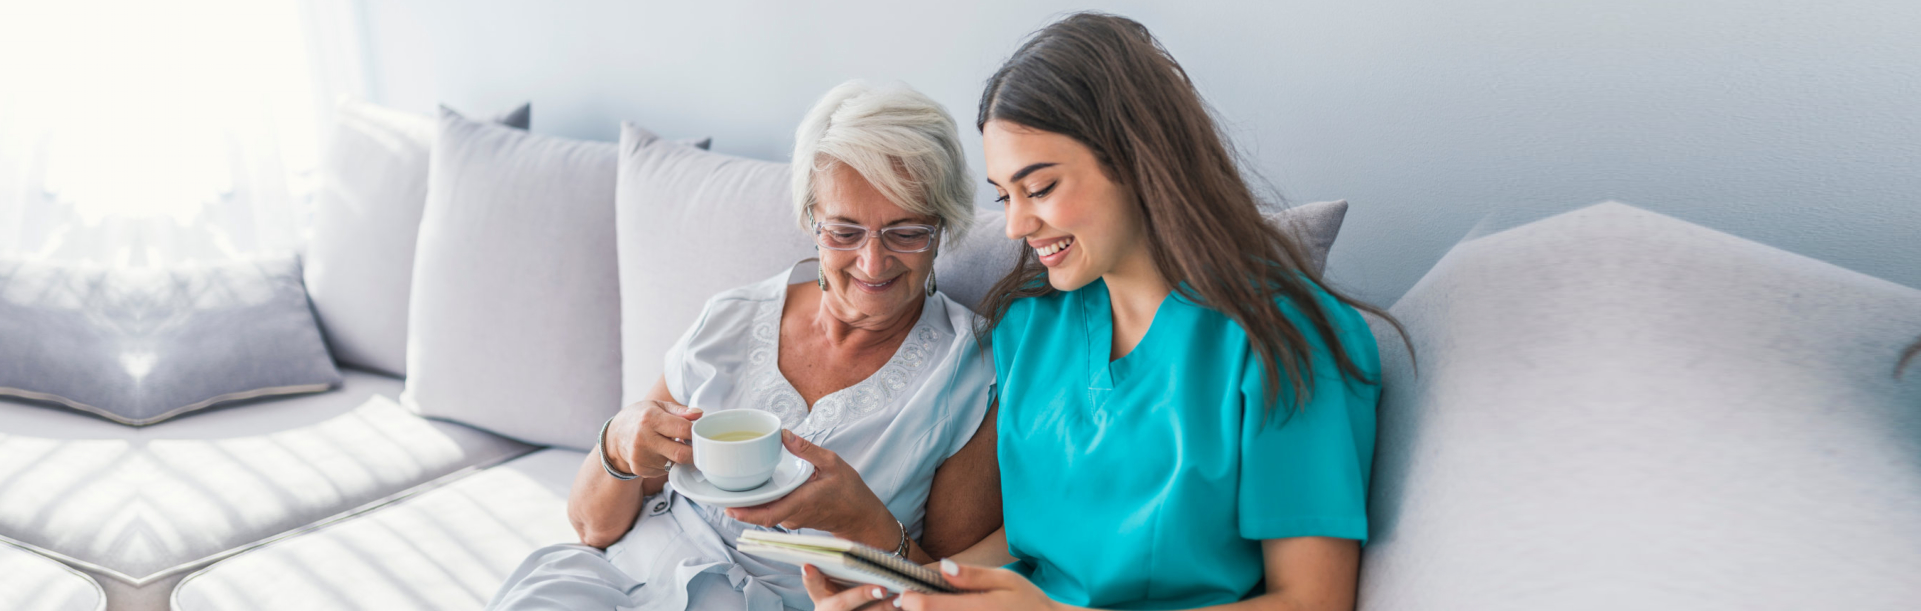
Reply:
x=141, y=345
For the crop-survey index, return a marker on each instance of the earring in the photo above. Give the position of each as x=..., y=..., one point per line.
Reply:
x=930, y=284
x=820, y=273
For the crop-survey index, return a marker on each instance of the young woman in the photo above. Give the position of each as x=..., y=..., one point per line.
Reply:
x=1186, y=410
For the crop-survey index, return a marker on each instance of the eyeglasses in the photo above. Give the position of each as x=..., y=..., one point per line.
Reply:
x=898, y=238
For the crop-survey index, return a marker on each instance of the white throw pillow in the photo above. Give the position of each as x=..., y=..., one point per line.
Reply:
x=1620, y=410
x=692, y=223
x=359, y=261
x=515, y=320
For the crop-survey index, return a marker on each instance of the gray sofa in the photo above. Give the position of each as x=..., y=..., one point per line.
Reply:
x=1617, y=409
x=1612, y=409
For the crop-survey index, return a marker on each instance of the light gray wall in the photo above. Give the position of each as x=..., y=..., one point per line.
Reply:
x=1793, y=123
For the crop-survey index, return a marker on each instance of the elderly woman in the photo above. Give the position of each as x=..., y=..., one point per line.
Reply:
x=874, y=373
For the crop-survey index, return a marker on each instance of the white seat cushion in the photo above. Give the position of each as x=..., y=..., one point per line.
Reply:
x=32, y=581
x=1620, y=410
x=447, y=548
x=139, y=504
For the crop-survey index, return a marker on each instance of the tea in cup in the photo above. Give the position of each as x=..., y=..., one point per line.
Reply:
x=737, y=449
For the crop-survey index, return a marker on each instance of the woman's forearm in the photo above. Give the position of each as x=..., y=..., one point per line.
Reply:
x=602, y=508
x=1305, y=574
x=964, y=501
x=885, y=535
x=989, y=552
x=1272, y=601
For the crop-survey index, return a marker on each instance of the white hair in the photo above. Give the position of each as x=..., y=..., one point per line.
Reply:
x=903, y=142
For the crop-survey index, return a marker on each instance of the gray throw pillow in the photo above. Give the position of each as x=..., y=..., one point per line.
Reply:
x=691, y=224
x=967, y=269
x=1315, y=226
x=360, y=259
x=514, y=325
x=1620, y=410
x=139, y=345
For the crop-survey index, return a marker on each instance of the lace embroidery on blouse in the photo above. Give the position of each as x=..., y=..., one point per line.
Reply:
x=771, y=391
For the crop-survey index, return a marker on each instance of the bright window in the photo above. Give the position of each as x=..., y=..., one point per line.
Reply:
x=136, y=132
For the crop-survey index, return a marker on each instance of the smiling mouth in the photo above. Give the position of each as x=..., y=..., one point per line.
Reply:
x=874, y=287
x=1053, y=253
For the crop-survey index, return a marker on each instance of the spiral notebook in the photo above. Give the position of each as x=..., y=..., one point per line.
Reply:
x=845, y=561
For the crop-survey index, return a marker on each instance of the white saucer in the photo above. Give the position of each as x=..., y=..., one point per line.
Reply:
x=791, y=473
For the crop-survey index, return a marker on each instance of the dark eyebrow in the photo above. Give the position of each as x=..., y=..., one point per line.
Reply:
x=1030, y=169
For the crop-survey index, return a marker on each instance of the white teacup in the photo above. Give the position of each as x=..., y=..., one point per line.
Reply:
x=737, y=449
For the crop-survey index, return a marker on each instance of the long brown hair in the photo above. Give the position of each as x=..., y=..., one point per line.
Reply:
x=1104, y=81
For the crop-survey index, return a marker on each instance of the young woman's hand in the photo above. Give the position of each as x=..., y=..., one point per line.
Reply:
x=835, y=500
x=989, y=590
x=830, y=597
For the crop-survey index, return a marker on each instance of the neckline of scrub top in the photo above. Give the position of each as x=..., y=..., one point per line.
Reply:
x=1097, y=312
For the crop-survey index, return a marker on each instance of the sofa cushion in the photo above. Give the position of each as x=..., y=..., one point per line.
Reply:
x=967, y=269
x=1617, y=409
x=138, y=504
x=1315, y=225
x=691, y=224
x=516, y=301
x=141, y=345
x=33, y=581
x=446, y=548
x=964, y=270
x=360, y=258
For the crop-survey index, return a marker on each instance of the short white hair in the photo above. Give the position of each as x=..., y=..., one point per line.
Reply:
x=900, y=140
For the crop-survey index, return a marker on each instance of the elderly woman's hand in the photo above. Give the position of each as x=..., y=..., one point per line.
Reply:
x=835, y=500
x=649, y=436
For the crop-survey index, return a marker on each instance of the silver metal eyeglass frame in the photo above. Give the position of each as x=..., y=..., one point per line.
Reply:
x=933, y=236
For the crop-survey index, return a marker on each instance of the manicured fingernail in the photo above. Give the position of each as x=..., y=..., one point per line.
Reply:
x=879, y=593
x=949, y=567
x=897, y=602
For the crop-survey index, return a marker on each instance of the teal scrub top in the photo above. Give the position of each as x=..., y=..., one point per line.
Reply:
x=1150, y=481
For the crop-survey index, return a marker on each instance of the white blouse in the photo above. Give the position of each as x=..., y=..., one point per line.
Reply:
x=895, y=428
